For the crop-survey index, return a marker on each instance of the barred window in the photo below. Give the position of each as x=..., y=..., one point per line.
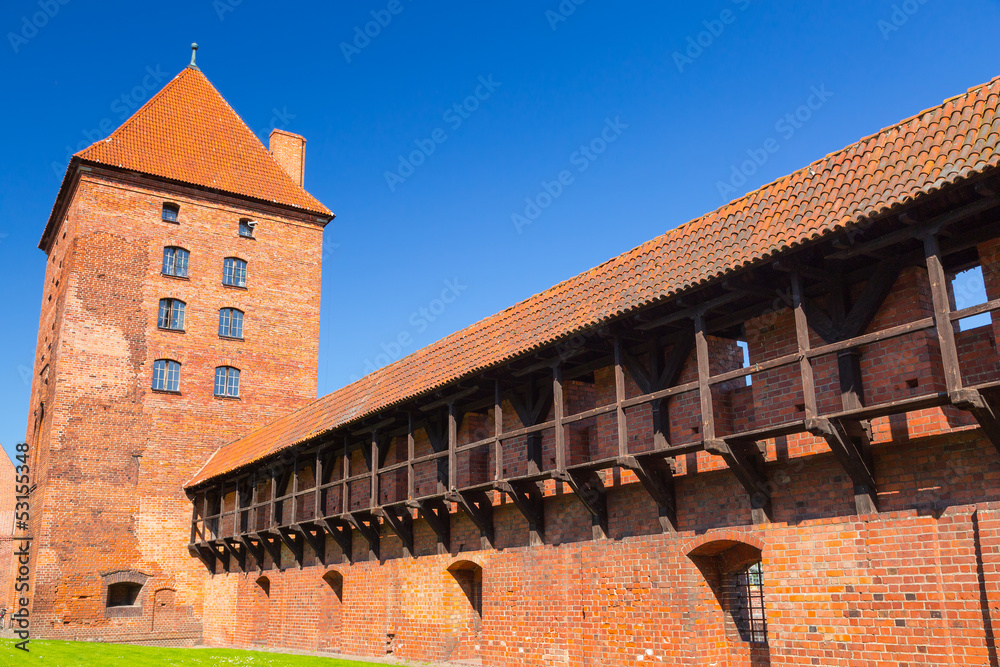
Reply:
x=227, y=381
x=170, y=212
x=166, y=375
x=231, y=323
x=746, y=597
x=175, y=262
x=246, y=227
x=171, y=314
x=234, y=272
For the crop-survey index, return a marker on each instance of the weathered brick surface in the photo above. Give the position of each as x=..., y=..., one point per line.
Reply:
x=111, y=455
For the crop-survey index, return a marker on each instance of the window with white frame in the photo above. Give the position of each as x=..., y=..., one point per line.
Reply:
x=231, y=323
x=166, y=375
x=234, y=272
x=175, y=262
x=227, y=381
x=171, y=314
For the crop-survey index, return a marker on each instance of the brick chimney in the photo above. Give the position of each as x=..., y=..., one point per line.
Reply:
x=290, y=152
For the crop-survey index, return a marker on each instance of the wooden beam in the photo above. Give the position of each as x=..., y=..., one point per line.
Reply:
x=437, y=515
x=400, y=521
x=588, y=485
x=985, y=408
x=852, y=458
x=340, y=531
x=293, y=539
x=271, y=543
x=747, y=463
x=478, y=507
x=656, y=475
x=255, y=550
x=559, y=413
x=368, y=526
x=529, y=498
x=205, y=555
x=238, y=554
x=942, y=311
x=315, y=535
x=619, y=398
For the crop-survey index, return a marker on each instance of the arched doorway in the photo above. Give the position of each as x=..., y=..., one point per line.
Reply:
x=464, y=601
x=259, y=612
x=164, y=610
x=331, y=605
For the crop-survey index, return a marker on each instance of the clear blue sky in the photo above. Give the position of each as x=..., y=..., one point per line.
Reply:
x=555, y=83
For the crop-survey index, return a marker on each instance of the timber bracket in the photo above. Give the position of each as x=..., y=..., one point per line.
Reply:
x=399, y=519
x=479, y=508
x=437, y=515
x=528, y=498
x=746, y=461
x=367, y=524
x=985, y=408
x=850, y=444
x=589, y=489
x=656, y=475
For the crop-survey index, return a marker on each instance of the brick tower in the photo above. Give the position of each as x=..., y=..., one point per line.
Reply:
x=180, y=310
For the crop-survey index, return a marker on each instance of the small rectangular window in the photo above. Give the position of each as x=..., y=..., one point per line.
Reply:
x=234, y=272
x=175, y=262
x=227, y=381
x=246, y=228
x=166, y=375
x=170, y=212
x=171, y=314
x=231, y=323
x=747, y=604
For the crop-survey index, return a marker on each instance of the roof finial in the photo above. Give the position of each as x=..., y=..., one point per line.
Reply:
x=194, y=52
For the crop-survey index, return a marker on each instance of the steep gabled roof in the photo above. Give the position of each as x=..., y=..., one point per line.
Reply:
x=188, y=133
x=935, y=148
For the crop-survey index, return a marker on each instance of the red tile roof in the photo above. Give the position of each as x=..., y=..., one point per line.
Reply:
x=187, y=132
x=937, y=147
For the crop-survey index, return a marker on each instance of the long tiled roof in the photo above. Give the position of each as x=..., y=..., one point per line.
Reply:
x=937, y=147
x=187, y=132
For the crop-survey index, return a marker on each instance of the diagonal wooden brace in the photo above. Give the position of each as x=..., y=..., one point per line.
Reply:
x=528, y=498
x=656, y=475
x=478, y=507
x=983, y=407
x=340, y=531
x=272, y=544
x=255, y=550
x=367, y=524
x=855, y=460
x=400, y=521
x=296, y=543
x=437, y=515
x=237, y=554
x=205, y=554
x=589, y=489
x=315, y=536
x=747, y=463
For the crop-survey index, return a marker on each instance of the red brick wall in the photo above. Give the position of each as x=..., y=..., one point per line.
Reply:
x=112, y=455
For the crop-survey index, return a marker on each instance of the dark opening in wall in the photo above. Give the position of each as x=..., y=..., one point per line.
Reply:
x=265, y=585
x=123, y=594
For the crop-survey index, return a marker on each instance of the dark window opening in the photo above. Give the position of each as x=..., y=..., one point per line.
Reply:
x=246, y=227
x=335, y=580
x=170, y=212
x=124, y=594
x=470, y=578
x=746, y=603
x=265, y=585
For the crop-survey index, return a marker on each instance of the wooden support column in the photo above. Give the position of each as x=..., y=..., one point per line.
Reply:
x=744, y=458
x=410, y=455
x=452, y=444
x=345, y=489
x=497, y=430
x=619, y=397
x=560, y=429
x=942, y=311
x=373, y=469
x=853, y=453
x=532, y=411
x=318, y=482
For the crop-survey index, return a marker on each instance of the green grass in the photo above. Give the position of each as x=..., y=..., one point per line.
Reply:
x=93, y=654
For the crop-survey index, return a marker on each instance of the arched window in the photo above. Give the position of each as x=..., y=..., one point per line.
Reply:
x=170, y=212
x=469, y=576
x=745, y=590
x=123, y=593
x=734, y=572
x=166, y=375
x=234, y=272
x=246, y=227
x=265, y=585
x=171, y=314
x=227, y=381
x=175, y=262
x=231, y=323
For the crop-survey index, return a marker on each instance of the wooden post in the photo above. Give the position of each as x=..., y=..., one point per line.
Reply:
x=410, y=449
x=497, y=430
x=318, y=477
x=345, y=491
x=802, y=340
x=560, y=431
x=293, y=515
x=704, y=389
x=374, y=470
x=619, y=397
x=942, y=310
x=452, y=443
